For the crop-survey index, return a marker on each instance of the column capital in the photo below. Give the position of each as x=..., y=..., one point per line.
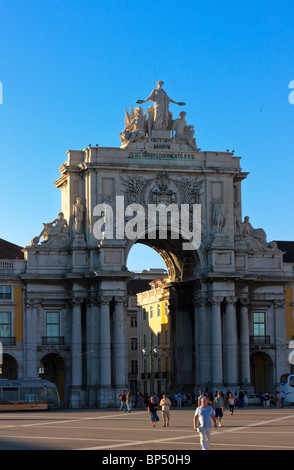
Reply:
x=199, y=301
x=121, y=300
x=76, y=301
x=31, y=303
x=215, y=300
x=231, y=300
x=105, y=299
x=244, y=301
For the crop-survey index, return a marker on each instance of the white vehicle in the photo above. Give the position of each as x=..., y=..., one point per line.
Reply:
x=287, y=386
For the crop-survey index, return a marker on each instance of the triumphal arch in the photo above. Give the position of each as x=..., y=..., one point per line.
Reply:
x=158, y=188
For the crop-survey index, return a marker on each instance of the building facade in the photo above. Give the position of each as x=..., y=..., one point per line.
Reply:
x=226, y=283
x=154, y=339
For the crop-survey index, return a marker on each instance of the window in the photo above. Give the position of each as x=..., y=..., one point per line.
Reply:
x=134, y=344
x=159, y=365
x=159, y=339
x=166, y=337
x=5, y=292
x=158, y=310
x=133, y=322
x=134, y=367
x=132, y=301
x=53, y=325
x=259, y=324
x=151, y=312
x=5, y=324
x=144, y=314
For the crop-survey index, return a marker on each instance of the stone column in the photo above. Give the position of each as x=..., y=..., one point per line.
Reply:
x=105, y=344
x=202, y=342
x=280, y=339
x=231, y=350
x=31, y=367
x=76, y=353
x=197, y=327
x=93, y=343
x=216, y=336
x=120, y=344
x=244, y=340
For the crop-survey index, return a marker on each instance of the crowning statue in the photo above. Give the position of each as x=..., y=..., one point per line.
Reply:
x=161, y=106
x=157, y=122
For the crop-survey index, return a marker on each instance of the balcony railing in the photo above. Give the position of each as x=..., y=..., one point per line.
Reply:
x=8, y=340
x=52, y=340
x=265, y=339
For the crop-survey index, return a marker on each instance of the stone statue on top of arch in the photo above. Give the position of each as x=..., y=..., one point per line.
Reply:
x=161, y=107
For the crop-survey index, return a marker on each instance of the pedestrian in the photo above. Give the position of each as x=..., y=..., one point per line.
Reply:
x=122, y=397
x=241, y=399
x=266, y=400
x=261, y=398
x=129, y=402
x=231, y=403
x=152, y=409
x=201, y=395
x=165, y=404
x=179, y=399
x=278, y=398
x=219, y=407
x=246, y=402
x=202, y=422
x=283, y=396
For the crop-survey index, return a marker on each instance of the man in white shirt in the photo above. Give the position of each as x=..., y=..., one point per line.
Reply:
x=165, y=404
x=202, y=419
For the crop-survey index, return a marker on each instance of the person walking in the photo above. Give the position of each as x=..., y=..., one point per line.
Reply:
x=202, y=422
x=122, y=397
x=129, y=402
x=246, y=402
x=231, y=403
x=152, y=409
x=165, y=404
x=283, y=397
x=219, y=407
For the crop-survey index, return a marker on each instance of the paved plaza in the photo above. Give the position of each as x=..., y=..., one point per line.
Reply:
x=108, y=430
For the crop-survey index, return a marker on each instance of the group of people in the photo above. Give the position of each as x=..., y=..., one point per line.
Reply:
x=268, y=400
x=208, y=408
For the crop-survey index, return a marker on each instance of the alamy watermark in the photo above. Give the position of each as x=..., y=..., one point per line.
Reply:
x=291, y=95
x=154, y=221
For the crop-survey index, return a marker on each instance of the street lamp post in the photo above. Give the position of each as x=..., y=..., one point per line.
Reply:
x=153, y=352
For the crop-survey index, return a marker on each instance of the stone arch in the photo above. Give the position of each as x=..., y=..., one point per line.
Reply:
x=52, y=368
x=180, y=264
x=261, y=371
x=9, y=367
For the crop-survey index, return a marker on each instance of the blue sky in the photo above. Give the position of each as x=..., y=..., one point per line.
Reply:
x=68, y=69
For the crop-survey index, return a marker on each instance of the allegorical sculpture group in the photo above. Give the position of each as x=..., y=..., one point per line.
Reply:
x=140, y=126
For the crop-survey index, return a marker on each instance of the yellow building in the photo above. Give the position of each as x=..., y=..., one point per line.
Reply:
x=11, y=309
x=154, y=334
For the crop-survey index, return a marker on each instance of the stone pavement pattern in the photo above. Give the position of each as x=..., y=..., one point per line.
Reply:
x=108, y=430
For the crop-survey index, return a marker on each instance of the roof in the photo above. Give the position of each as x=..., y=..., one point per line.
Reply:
x=10, y=250
x=288, y=248
x=138, y=285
